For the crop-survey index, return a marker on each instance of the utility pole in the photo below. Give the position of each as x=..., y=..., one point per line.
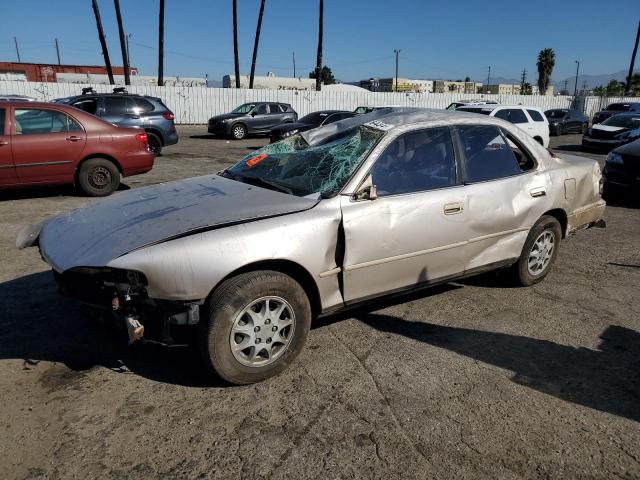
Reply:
x=58, y=51
x=17, y=49
x=397, y=52
x=128, y=52
x=294, y=65
x=488, y=80
x=633, y=60
x=160, y=45
x=103, y=42
x=523, y=79
x=575, y=90
x=123, y=46
x=565, y=86
x=584, y=87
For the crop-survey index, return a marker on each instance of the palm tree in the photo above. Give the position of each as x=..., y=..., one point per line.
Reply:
x=123, y=46
x=255, y=44
x=103, y=42
x=319, y=57
x=235, y=42
x=161, y=45
x=546, y=62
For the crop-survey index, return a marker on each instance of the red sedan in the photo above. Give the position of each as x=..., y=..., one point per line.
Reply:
x=45, y=143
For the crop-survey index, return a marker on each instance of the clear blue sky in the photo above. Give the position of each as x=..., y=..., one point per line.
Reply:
x=438, y=39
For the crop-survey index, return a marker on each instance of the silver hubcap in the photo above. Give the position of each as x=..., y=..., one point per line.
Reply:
x=262, y=331
x=238, y=132
x=541, y=253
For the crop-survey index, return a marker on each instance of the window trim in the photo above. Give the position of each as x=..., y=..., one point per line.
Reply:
x=504, y=133
x=458, y=180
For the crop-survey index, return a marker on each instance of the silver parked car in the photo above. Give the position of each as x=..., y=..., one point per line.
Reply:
x=387, y=202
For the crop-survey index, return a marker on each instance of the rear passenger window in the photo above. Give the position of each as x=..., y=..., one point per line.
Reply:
x=535, y=115
x=513, y=115
x=115, y=105
x=487, y=155
x=89, y=105
x=415, y=162
x=141, y=105
x=262, y=109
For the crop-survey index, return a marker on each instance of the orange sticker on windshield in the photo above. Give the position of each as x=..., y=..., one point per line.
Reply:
x=253, y=161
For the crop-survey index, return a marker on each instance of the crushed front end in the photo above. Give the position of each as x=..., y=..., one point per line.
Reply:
x=123, y=294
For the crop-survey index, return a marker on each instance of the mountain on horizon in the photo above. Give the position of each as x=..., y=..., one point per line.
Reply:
x=592, y=80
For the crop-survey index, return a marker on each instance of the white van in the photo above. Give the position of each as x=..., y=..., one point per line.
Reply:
x=529, y=119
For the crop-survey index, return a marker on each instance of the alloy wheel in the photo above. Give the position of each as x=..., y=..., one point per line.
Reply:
x=541, y=253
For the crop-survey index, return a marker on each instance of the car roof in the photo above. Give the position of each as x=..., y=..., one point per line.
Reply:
x=31, y=104
x=391, y=118
x=626, y=114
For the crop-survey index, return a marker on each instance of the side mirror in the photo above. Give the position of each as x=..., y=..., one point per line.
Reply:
x=253, y=113
x=367, y=190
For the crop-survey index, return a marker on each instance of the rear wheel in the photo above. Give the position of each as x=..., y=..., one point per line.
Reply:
x=238, y=131
x=539, y=251
x=155, y=144
x=98, y=177
x=255, y=325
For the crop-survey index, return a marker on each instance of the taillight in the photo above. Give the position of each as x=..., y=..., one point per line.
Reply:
x=142, y=138
x=168, y=116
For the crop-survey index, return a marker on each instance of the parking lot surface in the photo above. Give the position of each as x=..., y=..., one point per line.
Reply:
x=470, y=380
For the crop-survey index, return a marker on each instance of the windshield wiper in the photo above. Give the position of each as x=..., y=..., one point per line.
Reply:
x=266, y=183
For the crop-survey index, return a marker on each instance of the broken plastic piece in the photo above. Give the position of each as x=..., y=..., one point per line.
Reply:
x=134, y=328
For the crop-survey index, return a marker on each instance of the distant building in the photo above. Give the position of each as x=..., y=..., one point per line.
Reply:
x=271, y=82
x=512, y=89
x=389, y=85
x=450, y=86
x=48, y=72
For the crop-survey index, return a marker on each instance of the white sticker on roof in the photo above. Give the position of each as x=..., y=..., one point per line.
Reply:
x=378, y=125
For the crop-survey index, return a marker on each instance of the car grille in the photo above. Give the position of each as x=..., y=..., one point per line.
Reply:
x=603, y=135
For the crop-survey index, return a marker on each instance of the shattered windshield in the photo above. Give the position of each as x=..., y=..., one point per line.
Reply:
x=295, y=167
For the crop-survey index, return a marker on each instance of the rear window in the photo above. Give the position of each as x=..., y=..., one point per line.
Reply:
x=513, y=115
x=487, y=154
x=535, y=115
x=285, y=107
x=619, y=107
x=142, y=105
x=555, y=113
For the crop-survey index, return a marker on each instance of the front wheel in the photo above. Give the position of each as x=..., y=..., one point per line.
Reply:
x=539, y=251
x=238, y=131
x=255, y=326
x=98, y=177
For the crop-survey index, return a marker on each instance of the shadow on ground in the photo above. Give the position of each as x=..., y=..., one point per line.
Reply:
x=607, y=379
x=37, y=324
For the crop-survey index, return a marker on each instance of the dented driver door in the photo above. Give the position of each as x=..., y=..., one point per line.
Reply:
x=414, y=231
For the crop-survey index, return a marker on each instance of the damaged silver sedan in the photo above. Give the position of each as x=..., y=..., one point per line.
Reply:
x=383, y=203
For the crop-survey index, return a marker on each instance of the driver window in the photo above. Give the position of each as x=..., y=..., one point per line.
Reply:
x=261, y=109
x=415, y=162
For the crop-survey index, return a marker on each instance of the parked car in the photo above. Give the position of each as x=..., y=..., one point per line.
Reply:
x=566, y=120
x=378, y=204
x=368, y=109
x=613, y=132
x=46, y=143
x=529, y=119
x=622, y=170
x=16, y=98
x=252, y=118
x=313, y=120
x=467, y=103
x=130, y=110
x=614, y=109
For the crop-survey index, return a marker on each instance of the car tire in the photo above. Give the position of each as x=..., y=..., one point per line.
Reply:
x=154, y=144
x=238, y=131
x=228, y=324
x=98, y=177
x=539, y=251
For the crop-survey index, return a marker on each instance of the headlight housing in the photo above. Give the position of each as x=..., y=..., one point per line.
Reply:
x=614, y=159
x=289, y=133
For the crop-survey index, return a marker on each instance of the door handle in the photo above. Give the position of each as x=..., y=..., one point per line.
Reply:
x=3, y=143
x=538, y=192
x=453, y=208
x=73, y=138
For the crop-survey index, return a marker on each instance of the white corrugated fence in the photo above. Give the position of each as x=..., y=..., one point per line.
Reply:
x=195, y=105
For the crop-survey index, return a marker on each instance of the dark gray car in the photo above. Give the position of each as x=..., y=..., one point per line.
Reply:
x=251, y=118
x=566, y=120
x=130, y=110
